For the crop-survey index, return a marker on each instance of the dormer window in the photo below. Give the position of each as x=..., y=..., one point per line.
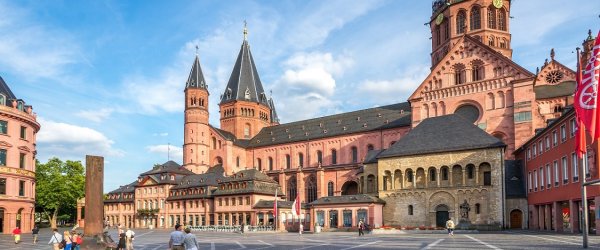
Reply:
x=2, y=99
x=172, y=177
x=247, y=94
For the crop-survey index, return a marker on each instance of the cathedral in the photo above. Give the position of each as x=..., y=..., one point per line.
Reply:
x=445, y=153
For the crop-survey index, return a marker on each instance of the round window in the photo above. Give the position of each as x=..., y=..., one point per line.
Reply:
x=468, y=112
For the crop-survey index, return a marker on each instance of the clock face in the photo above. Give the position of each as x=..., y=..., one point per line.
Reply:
x=498, y=3
x=439, y=19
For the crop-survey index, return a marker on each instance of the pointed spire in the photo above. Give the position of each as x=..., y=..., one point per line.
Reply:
x=196, y=78
x=244, y=83
x=274, y=117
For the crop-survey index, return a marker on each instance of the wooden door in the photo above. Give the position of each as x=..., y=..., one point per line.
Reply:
x=516, y=219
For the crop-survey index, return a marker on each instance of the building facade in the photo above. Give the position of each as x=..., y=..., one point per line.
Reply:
x=18, y=128
x=325, y=158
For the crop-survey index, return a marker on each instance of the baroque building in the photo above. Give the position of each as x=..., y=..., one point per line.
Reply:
x=18, y=128
x=359, y=165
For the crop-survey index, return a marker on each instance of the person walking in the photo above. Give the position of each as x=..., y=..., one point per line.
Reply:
x=122, y=241
x=55, y=239
x=361, y=227
x=189, y=241
x=35, y=231
x=77, y=240
x=129, y=234
x=300, y=229
x=68, y=240
x=177, y=238
x=450, y=227
x=17, y=234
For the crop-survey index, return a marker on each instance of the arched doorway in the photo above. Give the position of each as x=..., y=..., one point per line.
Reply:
x=350, y=188
x=19, y=217
x=516, y=219
x=441, y=215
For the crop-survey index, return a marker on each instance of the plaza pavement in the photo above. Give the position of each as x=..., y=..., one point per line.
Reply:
x=158, y=239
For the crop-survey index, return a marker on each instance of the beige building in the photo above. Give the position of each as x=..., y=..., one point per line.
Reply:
x=446, y=167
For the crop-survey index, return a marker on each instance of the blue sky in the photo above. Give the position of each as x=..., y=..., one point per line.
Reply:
x=107, y=77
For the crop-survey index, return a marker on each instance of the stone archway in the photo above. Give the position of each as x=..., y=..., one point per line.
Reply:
x=442, y=214
x=350, y=188
x=516, y=219
x=2, y=220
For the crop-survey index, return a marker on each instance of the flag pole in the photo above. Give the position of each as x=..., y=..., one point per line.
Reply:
x=581, y=156
x=584, y=202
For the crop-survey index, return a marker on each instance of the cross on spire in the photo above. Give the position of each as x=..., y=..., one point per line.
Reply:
x=196, y=49
x=245, y=31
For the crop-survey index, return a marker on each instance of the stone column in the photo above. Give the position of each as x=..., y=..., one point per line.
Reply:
x=558, y=221
x=464, y=176
x=574, y=216
x=78, y=213
x=476, y=176
x=450, y=177
x=426, y=175
x=94, y=195
x=548, y=214
x=439, y=176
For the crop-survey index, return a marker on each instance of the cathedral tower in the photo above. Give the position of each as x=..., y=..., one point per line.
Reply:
x=484, y=20
x=245, y=108
x=196, y=128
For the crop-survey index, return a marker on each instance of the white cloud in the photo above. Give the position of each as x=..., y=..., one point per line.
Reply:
x=169, y=151
x=33, y=50
x=386, y=91
x=95, y=115
x=71, y=141
x=163, y=134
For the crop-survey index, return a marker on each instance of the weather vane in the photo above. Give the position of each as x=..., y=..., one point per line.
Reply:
x=245, y=30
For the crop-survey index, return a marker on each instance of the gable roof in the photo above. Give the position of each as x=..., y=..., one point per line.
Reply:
x=461, y=41
x=442, y=134
x=385, y=117
x=244, y=83
x=168, y=167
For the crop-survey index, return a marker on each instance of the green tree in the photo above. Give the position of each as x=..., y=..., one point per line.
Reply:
x=58, y=187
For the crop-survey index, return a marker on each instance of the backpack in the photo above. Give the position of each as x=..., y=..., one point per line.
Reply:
x=79, y=240
x=62, y=244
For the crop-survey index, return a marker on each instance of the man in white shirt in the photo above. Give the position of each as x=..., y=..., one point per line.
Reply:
x=55, y=239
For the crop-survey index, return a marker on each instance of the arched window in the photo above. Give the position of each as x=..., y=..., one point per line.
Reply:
x=475, y=18
x=319, y=156
x=459, y=73
x=288, y=162
x=500, y=103
x=409, y=175
x=438, y=35
x=491, y=101
x=477, y=208
x=237, y=161
x=491, y=41
x=371, y=184
x=425, y=111
x=432, y=174
x=410, y=209
x=478, y=70
x=370, y=147
x=259, y=164
x=291, y=189
x=470, y=171
x=502, y=19
x=491, y=17
x=214, y=143
x=330, y=189
x=446, y=29
x=461, y=22
x=270, y=164
x=354, y=154
x=311, y=189
x=333, y=157
x=300, y=159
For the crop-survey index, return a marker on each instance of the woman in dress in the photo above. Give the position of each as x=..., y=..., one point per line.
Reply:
x=68, y=240
x=122, y=241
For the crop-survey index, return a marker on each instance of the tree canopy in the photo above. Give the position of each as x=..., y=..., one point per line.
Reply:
x=58, y=187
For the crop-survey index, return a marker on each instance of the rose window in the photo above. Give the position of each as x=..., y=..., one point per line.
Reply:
x=554, y=76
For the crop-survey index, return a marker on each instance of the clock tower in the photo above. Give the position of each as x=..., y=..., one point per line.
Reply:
x=485, y=20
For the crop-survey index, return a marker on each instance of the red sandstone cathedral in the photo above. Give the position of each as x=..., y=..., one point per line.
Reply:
x=230, y=173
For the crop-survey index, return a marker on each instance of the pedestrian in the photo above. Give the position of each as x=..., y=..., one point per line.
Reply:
x=56, y=239
x=35, y=231
x=68, y=240
x=119, y=229
x=450, y=227
x=190, y=241
x=129, y=234
x=77, y=240
x=300, y=229
x=361, y=227
x=177, y=238
x=122, y=241
x=17, y=235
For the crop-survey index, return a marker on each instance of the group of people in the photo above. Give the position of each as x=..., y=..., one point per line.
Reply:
x=66, y=241
x=126, y=238
x=183, y=241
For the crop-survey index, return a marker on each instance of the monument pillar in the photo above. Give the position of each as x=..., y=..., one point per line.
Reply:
x=94, y=203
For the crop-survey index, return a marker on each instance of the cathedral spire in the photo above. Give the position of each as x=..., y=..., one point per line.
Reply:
x=196, y=78
x=244, y=83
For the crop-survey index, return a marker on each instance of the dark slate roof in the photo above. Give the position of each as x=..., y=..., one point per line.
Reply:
x=566, y=88
x=248, y=175
x=274, y=117
x=252, y=187
x=129, y=188
x=243, y=143
x=442, y=134
x=347, y=199
x=196, y=78
x=385, y=117
x=199, y=180
x=513, y=179
x=5, y=90
x=168, y=167
x=372, y=156
x=280, y=204
x=244, y=80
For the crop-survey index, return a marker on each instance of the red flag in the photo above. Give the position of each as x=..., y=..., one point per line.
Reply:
x=586, y=93
x=580, y=145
